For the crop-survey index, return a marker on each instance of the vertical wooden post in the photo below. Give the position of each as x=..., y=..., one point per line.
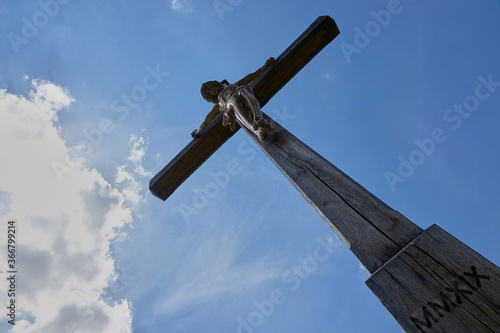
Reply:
x=428, y=280
x=373, y=231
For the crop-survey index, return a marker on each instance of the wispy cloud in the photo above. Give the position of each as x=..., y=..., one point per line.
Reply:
x=327, y=76
x=65, y=228
x=213, y=272
x=138, y=147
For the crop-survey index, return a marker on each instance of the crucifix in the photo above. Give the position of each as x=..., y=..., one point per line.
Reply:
x=427, y=279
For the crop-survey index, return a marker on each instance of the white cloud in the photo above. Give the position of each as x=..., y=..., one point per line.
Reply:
x=64, y=228
x=125, y=179
x=180, y=5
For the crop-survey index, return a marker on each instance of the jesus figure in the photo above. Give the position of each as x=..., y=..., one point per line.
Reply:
x=236, y=101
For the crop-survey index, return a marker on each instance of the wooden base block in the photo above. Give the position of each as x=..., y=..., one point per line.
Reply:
x=438, y=284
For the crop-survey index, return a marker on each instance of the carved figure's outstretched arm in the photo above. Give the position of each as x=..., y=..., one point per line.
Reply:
x=252, y=76
x=208, y=119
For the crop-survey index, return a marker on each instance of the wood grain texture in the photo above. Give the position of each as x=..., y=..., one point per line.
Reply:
x=439, y=284
x=287, y=65
x=373, y=231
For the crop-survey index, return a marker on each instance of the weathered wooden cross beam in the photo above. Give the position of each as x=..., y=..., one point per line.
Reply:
x=289, y=63
x=427, y=279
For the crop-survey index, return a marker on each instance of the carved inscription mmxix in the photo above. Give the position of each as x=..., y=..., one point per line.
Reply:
x=450, y=297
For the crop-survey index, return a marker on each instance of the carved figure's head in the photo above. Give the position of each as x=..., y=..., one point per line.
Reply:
x=210, y=91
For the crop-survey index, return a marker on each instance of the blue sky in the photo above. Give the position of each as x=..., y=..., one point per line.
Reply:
x=96, y=97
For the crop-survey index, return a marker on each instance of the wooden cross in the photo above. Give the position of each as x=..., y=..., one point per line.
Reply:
x=427, y=279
